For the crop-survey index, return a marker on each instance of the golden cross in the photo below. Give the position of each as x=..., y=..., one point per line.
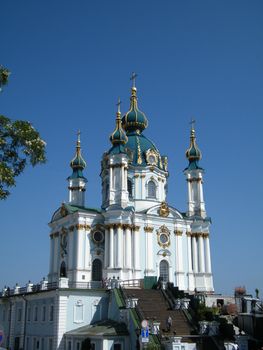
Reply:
x=133, y=77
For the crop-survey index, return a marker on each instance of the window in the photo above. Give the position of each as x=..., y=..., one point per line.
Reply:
x=151, y=189
x=51, y=313
x=129, y=183
x=28, y=314
x=164, y=271
x=117, y=346
x=50, y=344
x=69, y=345
x=19, y=315
x=78, y=346
x=3, y=315
x=96, y=270
x=42, y=344
x=78, y=312
x=35, y=313
x=63, y=270
x=43, y=313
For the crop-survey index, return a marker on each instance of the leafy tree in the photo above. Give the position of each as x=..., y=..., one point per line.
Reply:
x=20, y=144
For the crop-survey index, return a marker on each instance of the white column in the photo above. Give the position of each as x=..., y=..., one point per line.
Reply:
x=136, y=249
x=128, y=250
x=111, y=178
x=190, y=265
x=51, y=256
x=179, y=250
x=119, y=247
x=56, y=253
x=207, y=256
x=201, y=253
x=106, y=249
x=70, y=249
x=194, y=247
x=111, y=250
x=87, y=250
x=136, y=187
x=143, y=189
x=149, y=252
x=80, y=244
x=122, y=178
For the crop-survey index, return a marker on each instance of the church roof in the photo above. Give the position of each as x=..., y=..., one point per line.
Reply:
x=67, y=209
x=102, y=328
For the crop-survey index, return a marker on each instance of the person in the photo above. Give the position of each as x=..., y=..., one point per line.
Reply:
x=169, y=323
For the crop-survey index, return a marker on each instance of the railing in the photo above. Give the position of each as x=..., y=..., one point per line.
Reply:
x=131, y=283
x=85, y=285
x=64, y=283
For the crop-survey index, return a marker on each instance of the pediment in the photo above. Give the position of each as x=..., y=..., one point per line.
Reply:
x=164, y=210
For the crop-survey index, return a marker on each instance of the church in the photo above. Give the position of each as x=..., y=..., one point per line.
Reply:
x=135, y=240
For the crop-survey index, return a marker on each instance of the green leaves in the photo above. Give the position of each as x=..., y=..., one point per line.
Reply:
x=4, y=75
x=20, y=144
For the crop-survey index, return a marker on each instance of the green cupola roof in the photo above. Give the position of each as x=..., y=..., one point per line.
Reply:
x=118, y=138
x=78, y=164
x=134, y=119
x=193, y=153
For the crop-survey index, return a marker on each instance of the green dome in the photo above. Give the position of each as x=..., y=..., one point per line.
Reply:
x=118, y=137
x=137, y=147
x=134, y=119
x=193, y=153
x=78, y=164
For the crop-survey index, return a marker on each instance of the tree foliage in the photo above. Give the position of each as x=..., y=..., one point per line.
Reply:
x=20, y=144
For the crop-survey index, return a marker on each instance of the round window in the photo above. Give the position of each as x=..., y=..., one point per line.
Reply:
x=164, y=238
x=98, y=236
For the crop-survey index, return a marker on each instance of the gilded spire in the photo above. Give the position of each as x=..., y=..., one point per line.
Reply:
x=193, y=154
x=78, y=163
x=118, y=137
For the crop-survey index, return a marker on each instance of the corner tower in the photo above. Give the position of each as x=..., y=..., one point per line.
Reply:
x=194, y=176
x=77, y=181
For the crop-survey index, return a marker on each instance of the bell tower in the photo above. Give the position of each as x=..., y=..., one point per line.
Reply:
x=194, y=176
x=77, y=181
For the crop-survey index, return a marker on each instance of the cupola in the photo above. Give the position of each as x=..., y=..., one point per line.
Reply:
x=78, y=164
x=134, y=120
x=193, y=153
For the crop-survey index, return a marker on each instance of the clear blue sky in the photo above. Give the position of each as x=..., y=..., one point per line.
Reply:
x=71, y=60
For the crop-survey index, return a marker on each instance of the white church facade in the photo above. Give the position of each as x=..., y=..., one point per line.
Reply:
x=135, y=236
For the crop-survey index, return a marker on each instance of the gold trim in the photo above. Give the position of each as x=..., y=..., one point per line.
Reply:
x=164, y=210
x=178, y=232
x=163, y=230
x=148, y=228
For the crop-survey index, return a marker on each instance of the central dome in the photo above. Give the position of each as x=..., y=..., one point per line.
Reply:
x=137, y=147
x=134, y=119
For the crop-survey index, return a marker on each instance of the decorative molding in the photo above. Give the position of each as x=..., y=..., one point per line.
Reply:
x=194, y=179
x=123, y=226
x=165, y=241
x=137, y=175
x=142, y=175
x=77, y=188
x=164, y=210
x=200, y=234
x=178, y=232
x=148, y=228
x=83, y=227
x=188, y=234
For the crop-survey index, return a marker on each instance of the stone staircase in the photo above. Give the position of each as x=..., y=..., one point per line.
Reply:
x=154, y=306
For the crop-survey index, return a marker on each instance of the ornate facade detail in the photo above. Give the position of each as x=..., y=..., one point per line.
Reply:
x=151, y=157
x=178, y=232
x=164, y=210
x=148, y=229
x=63, y=210
x=163, y=237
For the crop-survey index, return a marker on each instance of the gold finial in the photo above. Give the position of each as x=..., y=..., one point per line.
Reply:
x=119, y=108
x=133, y=77
x=192, y=122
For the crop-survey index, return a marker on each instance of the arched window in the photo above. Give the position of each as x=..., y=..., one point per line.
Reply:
x=96, y=270
x=151, y=189
x=164, y=271
x=63, y=270
x=130, y=188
